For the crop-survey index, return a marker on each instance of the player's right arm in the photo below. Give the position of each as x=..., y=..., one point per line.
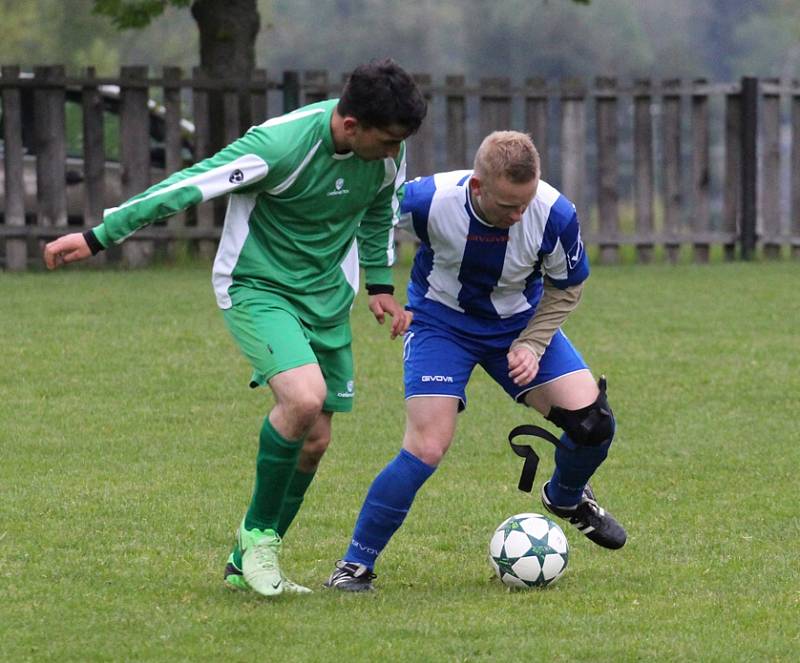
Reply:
x=240, y=165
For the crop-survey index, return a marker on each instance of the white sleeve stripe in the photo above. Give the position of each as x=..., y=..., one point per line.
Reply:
x=211, y=183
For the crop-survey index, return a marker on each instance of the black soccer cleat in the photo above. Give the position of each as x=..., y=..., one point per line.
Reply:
x=351, y=577
x=590, y=519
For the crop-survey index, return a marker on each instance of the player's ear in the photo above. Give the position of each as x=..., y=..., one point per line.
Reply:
x=349, y=124
x=475, y=185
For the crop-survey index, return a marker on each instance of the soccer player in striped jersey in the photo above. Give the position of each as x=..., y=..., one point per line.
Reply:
x=499, y=268
x=313, y=195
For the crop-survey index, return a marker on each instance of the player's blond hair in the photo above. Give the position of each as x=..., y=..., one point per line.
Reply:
x=510, y=154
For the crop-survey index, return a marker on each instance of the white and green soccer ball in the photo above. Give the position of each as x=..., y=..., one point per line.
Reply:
x=528, y=550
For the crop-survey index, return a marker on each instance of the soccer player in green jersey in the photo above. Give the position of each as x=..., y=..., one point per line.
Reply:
x=313, y=196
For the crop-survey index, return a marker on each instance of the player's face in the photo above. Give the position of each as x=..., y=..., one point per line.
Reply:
x=373, y=143
x=500, y=201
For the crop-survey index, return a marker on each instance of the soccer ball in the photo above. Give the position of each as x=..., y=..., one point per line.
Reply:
x=528, y=550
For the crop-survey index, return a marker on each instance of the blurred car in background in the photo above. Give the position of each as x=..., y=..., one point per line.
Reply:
x=74, y=169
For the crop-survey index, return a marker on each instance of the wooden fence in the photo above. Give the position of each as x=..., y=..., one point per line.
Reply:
x=655, y=165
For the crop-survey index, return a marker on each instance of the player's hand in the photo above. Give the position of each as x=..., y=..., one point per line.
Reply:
x=522, y=365
x=385, y=304
x=68, y=248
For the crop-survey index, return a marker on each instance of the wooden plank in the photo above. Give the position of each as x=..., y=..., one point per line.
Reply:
x=173, y=140
x=13, y=170
x=607, y=169
x=291, y=91
x=673, y=192
x=94, y=152
x=536, y=121
x=456, y=120
x=573, y=142
x=315, y=86
x=258, y=97
x=731, y=200
x=202, y=149
x=749, y=166
x=230, y=116
x=770, y=181
x=134, y=120
x=420, y=156
x=643, y=166
x=95, y=174
x=494, y=105
x=701, y=170
x=794, y=224
x=51, y=150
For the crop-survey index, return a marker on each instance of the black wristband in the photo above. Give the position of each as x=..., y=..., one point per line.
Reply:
x=380, y=289
x=91, y=239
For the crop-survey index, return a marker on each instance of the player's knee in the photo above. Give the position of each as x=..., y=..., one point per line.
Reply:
x=590, y=426
x=305, y=407
x=429, y=449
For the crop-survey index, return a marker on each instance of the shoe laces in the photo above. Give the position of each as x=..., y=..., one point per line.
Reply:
x=266, y=554
x=355, y=570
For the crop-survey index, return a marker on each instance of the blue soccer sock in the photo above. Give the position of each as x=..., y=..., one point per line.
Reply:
x=574, y=467
x=385, y=507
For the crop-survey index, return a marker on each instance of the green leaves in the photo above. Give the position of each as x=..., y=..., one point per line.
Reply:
x=127, y=14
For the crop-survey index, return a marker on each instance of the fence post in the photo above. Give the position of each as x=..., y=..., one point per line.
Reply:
x=573, y=142
x=315, y=86
x=94, y=151
x=643, y=169
x=258, y=97
x=731, y=210
x=749, y=170
x=456, y=112
x=771, y=163
x=291, y=91
x=795, y=173
x=536, y=118
x=201, y=108
x=134, y=127
x=607, y=169
x=495, y=105
x=420, y=146
x=16, y=247
x=701, y=172
x=173, y=141
x=51, y=151
x=672, y=167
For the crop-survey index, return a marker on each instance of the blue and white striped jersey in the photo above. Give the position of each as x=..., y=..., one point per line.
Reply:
x=478, y=278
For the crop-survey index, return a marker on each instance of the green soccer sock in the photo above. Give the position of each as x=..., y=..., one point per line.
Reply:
x=291, y=505
x=275, y=467
x=294, y=498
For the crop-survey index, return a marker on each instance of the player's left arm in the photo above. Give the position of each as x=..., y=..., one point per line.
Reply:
x=376, y=252
x=566, y=268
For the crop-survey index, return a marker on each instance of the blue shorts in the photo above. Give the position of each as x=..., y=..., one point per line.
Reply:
x=439, y=362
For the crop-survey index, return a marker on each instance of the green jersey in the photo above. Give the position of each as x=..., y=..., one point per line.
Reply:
x=300, y=220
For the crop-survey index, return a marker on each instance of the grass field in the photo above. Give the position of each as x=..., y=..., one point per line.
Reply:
x=128, y=436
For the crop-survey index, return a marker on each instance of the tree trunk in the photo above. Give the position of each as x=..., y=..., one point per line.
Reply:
x=228, y=30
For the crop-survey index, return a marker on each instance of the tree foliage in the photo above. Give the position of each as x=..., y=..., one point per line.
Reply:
x=127, y=14
x=719, y=39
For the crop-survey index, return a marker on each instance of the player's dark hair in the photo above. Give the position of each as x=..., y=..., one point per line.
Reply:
x=381, y=93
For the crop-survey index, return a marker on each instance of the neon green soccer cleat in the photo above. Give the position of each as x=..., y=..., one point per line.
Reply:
x=235, y=580
x=260, y=568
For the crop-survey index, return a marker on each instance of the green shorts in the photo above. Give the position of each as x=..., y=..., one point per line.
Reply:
x=274, y=339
